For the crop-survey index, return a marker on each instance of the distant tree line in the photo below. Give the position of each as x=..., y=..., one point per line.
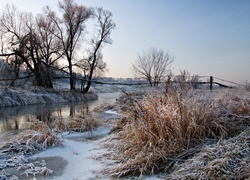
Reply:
x=40, y=44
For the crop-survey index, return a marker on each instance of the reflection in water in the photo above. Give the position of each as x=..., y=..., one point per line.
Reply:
x=16, y=118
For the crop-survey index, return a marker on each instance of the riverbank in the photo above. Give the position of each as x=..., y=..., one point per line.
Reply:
x=14, y=96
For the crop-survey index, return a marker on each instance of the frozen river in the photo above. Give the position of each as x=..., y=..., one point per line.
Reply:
x=16, y=117
x=73, y=159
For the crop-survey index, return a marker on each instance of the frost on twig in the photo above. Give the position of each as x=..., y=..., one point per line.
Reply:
x=4, y=176
x=31, y=169
x=13, y=161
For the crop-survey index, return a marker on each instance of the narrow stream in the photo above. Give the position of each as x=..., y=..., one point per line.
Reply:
x=16, y=117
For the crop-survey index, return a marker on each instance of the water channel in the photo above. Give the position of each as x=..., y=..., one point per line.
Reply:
x=16, y=117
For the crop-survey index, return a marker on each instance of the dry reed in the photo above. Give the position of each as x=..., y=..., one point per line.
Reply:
x=83, y=123
x=158, y=129
x=104, y=107
x=78, y=123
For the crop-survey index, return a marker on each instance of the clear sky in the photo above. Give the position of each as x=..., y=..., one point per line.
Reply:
x=206, y=37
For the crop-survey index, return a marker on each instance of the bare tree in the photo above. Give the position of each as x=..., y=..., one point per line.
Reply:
x=39, y=42
x=50, y=47
x=11, y=28
x=94, y=62
x=71, y=27
x=153, y=65
x=28, y=41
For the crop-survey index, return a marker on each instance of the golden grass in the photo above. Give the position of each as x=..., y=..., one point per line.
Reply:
x=78, y=123
x=158, y=128
x=83, y=123
x=104, y=107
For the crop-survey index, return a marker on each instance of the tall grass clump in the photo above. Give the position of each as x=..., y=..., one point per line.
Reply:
x=159, y=129
x=83, y=122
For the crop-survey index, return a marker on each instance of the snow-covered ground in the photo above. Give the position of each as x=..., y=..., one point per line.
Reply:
x=18, y=96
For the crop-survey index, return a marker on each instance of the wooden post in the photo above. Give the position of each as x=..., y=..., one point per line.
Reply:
x=211, y=83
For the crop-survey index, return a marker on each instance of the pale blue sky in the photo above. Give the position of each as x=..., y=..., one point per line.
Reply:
x=206, y=37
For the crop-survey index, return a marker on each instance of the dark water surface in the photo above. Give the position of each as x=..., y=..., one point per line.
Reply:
x=16, y=117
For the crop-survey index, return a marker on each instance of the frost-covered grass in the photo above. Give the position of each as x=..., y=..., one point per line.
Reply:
x=161, y=130
x=39, y=137
x=14, y=152
x=17, y=96
x=227, y=159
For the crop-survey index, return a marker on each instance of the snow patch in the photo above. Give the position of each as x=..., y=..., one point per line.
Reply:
x=111, y=112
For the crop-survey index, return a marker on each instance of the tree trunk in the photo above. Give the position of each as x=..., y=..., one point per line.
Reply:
x=42, y=79
x=71, y=76
x=88, y=86
x=92, y=68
